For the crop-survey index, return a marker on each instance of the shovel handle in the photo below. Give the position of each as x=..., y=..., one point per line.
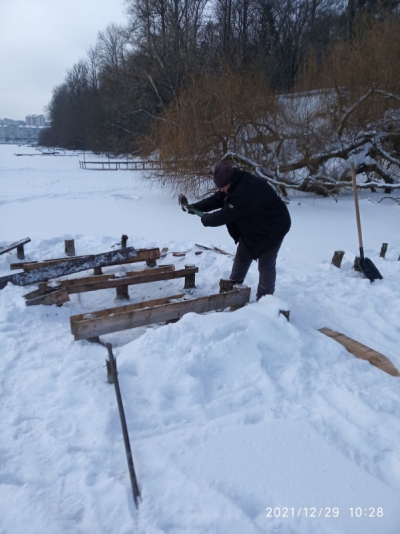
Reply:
x=353, y=177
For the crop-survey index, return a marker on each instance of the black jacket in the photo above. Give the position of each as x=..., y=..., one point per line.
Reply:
x=251, y=210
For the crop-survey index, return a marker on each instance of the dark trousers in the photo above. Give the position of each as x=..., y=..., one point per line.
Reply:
x=266, y=268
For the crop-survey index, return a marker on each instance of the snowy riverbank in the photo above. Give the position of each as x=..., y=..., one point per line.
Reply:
x=229, y=414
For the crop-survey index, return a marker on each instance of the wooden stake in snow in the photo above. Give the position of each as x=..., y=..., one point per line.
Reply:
x=362, y=351
x=70, y=247
x=123, y=291
x=337, y=258
x=383, y=250
x=285, y=313
x=190, y=278
x=225, y=284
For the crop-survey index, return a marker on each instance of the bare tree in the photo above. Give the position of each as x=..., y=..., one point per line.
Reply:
x=302, y=141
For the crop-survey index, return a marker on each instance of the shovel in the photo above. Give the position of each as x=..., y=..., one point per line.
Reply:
x=367, y=267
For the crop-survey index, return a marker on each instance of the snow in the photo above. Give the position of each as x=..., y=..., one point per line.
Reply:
x=230, y=414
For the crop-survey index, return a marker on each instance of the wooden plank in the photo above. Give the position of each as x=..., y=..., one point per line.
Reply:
x=142, y=255
x=130, y=280
x=362, y=351
x=146, y=254
x=68, y=267
x=30, y=265
x=105, y=277
x=96, y=326
x=125, y=308
x=48, y=263
x=58, y=296
x=20, y=264
x=22, y=242
x=214, y=249
x=37, y=293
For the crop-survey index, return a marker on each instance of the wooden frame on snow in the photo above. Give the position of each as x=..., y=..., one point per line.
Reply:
x=105, y=281
x=108, y=281
x=94, y=324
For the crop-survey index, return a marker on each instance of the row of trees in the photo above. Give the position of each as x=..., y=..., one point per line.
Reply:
x=194, y=79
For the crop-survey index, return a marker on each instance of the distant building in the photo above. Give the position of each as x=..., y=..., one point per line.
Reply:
x=12, y=131
x=18, y=132
x=35, y=120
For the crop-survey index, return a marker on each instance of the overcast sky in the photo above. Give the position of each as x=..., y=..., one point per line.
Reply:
x=39, y=41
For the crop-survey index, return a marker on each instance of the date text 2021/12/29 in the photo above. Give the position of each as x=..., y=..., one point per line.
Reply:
x=327, y=511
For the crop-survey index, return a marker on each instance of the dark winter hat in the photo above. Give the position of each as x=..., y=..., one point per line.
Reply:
x=223, y=174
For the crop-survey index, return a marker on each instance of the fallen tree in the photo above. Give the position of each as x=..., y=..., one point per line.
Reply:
x=302, y=141
x=305, y=143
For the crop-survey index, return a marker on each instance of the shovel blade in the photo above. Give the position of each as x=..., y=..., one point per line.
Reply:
x=369, y=270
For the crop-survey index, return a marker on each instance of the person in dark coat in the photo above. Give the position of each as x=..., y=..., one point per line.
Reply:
x=256, y=218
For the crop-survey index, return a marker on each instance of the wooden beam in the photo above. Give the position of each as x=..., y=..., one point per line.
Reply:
x=92, y=325
x=69, y=266
x=362, y=351
x=144, y=277
x=142, y=255
x=57, y=296
x=123, y=309
x=17, y=244
x=20, y=264
x=106, y=277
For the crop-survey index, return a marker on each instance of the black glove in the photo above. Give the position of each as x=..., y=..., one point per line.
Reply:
x=189, y=208
x=205, y=218
x=183, y=202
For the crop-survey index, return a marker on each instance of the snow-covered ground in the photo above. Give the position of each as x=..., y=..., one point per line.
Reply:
x=235, y=418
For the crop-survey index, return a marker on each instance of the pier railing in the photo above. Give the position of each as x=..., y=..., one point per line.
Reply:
x=121, y=165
